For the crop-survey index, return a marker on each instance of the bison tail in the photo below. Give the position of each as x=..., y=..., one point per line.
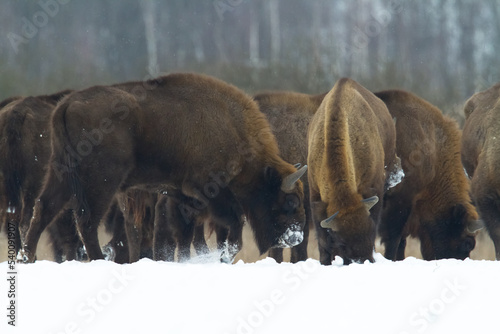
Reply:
x=64, y=161
x=14, y=171
x=138, y=206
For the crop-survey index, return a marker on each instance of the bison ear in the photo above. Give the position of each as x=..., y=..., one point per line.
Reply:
x=459, y=211
x=370, y=202
x=474, y=226
x=272, y=177
x=330, y=222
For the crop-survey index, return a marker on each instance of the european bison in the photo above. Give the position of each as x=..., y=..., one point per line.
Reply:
x=186, y=133
x=481, y=157
x=289, y=115
x=351, y=140
x=25, y=151
x=432, y=202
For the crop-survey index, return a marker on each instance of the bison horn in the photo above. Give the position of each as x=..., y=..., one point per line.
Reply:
x=475, y=226
x=328, y=222
x=288, y=183
x=370, y=202
x=297, y=165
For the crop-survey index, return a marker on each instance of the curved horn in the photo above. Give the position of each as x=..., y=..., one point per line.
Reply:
x=288, y=183
x=475, y=226
x=297, y=165
x=328, y=222
x=370, y=202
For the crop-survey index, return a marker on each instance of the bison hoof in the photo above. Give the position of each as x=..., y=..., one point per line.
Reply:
x=108, y=251
x=292, y=237
x=229, y=252
x=25, y=257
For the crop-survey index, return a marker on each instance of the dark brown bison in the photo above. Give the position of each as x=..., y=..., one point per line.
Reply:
x=351, y=141
x=432, y=202
x=185, y=133
x=481, y=157
x=25, y=151
x=289, y=115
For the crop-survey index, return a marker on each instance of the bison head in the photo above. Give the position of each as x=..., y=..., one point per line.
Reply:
x=353, y=233
x=277, y=213
x=450, y=236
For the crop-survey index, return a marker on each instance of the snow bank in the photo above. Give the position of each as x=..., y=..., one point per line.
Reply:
x=412, y=296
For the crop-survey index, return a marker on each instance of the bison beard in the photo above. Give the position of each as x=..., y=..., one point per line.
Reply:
x=172, y=132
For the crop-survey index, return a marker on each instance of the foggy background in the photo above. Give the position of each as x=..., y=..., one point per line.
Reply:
x=443, y=51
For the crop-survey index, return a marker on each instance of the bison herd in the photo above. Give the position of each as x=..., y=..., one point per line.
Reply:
x=157, y=161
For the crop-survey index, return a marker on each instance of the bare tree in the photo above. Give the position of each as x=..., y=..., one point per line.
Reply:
x=148, y=14
x=274, y=21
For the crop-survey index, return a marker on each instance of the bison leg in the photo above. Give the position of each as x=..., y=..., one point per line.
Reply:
x=88, y=215
x=147, y=231
x=489, y=209
x=65, y=239
x=163, y=241
x=199, y=242
x=134, y=238
x=277, y=254
x=26, y=214
x=397, y=208
x=52, y=200
x=233, y=244
x=226, y=211
x=87, y=226
x=184, y=240
x=325, y=242
x=182, y=221
x=12, y=224
x=117, y=248
x=324, y=246
x=221, y=234
x=401, y=249
x=229, y=241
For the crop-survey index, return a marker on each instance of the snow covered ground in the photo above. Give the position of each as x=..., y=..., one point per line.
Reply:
x=412, y=296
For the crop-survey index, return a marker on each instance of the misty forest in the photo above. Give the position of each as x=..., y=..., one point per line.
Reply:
x=443, y=51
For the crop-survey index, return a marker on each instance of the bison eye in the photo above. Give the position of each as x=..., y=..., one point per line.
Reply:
x=467, y=245
x=291, y=202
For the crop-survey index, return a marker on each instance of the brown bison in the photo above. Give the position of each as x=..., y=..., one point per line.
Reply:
x=432, y=202
x=289, y=115
x=25, y=151
x=351, y=140
x=481, y=157
x=185, y=133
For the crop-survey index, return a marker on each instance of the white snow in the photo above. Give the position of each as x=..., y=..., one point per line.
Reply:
x=412, y=296
x=396, y=175
x=395, y=179
x=292, y=236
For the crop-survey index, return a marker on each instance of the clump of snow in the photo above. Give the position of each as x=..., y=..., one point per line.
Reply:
x=396, y=175
x=292, y=237
x=411, y=296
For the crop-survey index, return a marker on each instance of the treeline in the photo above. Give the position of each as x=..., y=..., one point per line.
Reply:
x=442, y=50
